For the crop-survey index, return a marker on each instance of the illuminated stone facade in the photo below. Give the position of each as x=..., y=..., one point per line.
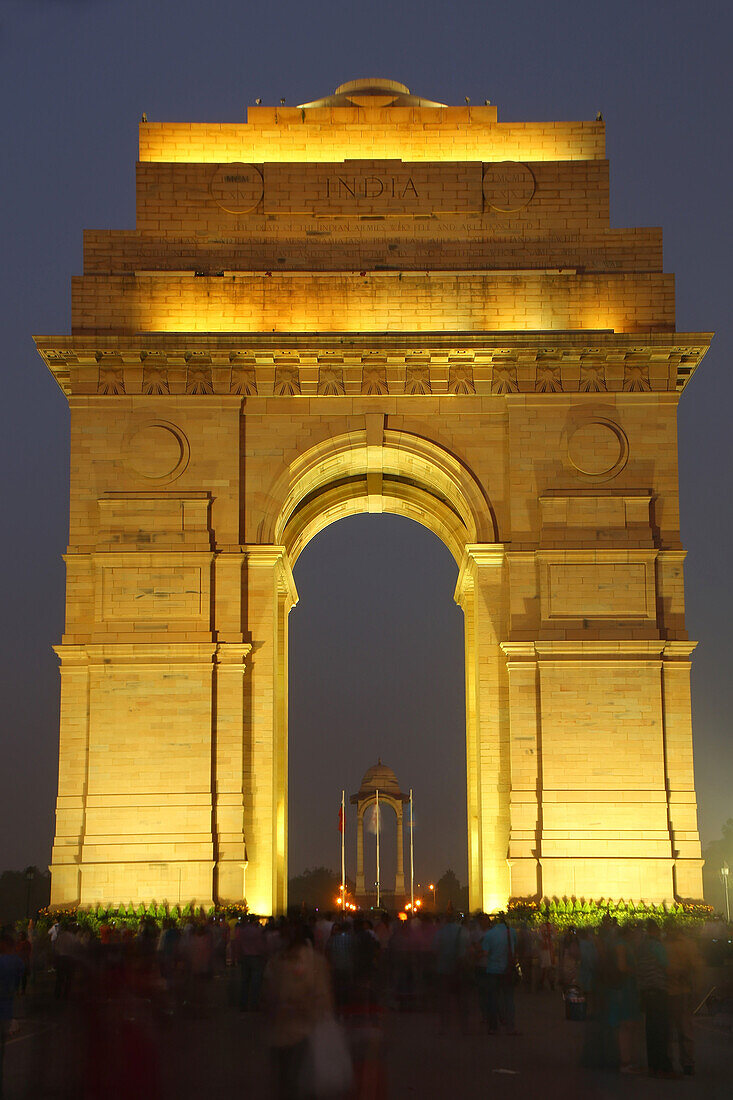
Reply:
x=373, y=303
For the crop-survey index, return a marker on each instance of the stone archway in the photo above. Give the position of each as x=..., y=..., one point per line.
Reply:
x=281, y=343
x=373, y=470
x=379, y=787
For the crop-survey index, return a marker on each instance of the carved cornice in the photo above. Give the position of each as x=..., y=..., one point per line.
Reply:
x=611, y=650
x=404, y=363
x=274, y=558
x=152, y=655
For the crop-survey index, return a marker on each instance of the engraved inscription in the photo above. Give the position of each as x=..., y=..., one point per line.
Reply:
x=370, y=187
x=508, y=186
x=237, y=188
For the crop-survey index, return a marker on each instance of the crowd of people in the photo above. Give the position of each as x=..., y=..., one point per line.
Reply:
x=325, y=986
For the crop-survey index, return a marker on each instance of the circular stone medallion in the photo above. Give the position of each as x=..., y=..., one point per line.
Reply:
x=598, y=449
x=157, y=451
x=237, y=188
x=508, y=186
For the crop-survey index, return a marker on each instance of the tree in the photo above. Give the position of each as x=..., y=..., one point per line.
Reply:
x=450, y=893
x=717, y=853
x=23, y=893
x=315, y=888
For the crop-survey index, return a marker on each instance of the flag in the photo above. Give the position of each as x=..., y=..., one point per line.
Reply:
x=341, y=819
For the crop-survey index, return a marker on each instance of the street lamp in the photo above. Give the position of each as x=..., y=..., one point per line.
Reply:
x=431, y=887
x=725, y=872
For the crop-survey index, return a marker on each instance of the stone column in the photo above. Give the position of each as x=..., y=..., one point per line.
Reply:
x=481, y=593
x=681, y=801
x=72, y=783
x=229, y=792
x=399, y=885
x=360, y=889
x=525, y=752
x=269, y=594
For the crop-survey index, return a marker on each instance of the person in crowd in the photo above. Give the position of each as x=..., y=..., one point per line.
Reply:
x=365, y=955
x=24, y=951
x=383, y=931
x=273, y=936
x=66, y=951
x=340, y=954
x=400, y=964
x=499, y=946
x=322, y=931
x=652, y=965
x=167, y=949
x=587, y=964
x=628, y=1005
x=627, y=973
x=684, y=973
x=11, y=973
x=569, y=962
x=423, y=935
x=297, y=994
x=477, y=930
x=547, y=957
x=525, y=955
x=250, y=948
x=451, y=949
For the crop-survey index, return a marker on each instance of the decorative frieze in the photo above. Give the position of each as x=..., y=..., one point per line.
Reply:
x=280, y=368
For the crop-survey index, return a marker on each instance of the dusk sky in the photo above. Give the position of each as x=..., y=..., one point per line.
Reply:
x=75, y=76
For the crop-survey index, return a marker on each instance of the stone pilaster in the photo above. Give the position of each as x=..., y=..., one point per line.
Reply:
x=269, y=594
x=682, y=804
x=526, y=763
x=481, y=593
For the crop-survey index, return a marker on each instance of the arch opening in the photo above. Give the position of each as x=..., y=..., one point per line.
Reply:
x=377, y=669
x=377, y=470
x=402, y=473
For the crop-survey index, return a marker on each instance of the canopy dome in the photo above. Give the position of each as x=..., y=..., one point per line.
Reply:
x=380, y=778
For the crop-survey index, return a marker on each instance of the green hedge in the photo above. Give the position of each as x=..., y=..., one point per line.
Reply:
x=585, y=913
x=131, y=916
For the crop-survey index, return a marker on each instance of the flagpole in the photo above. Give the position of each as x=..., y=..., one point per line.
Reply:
x=378, y=849
x=412, y=862
x=343, y=849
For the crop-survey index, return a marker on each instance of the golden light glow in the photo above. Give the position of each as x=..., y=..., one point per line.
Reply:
x=142, y=822
x=408, y=134
x=351, y=302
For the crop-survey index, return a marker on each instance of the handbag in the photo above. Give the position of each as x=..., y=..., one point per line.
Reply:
x=576, y=1006
x=327, y=1069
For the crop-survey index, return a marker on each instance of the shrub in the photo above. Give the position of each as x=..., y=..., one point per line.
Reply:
x=564, y=913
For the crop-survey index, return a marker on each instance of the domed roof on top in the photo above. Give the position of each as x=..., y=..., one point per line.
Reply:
x=380, y=778
x=372, y=91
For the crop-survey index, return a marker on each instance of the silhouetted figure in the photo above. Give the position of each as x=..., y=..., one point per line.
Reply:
x=652, y=963
x=11, y=972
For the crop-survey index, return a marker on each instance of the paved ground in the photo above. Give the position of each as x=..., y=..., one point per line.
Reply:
x=219, y=1052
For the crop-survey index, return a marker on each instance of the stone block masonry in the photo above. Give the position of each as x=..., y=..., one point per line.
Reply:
x=373, y=302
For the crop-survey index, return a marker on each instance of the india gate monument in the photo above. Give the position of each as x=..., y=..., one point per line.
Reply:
x=373, y=302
